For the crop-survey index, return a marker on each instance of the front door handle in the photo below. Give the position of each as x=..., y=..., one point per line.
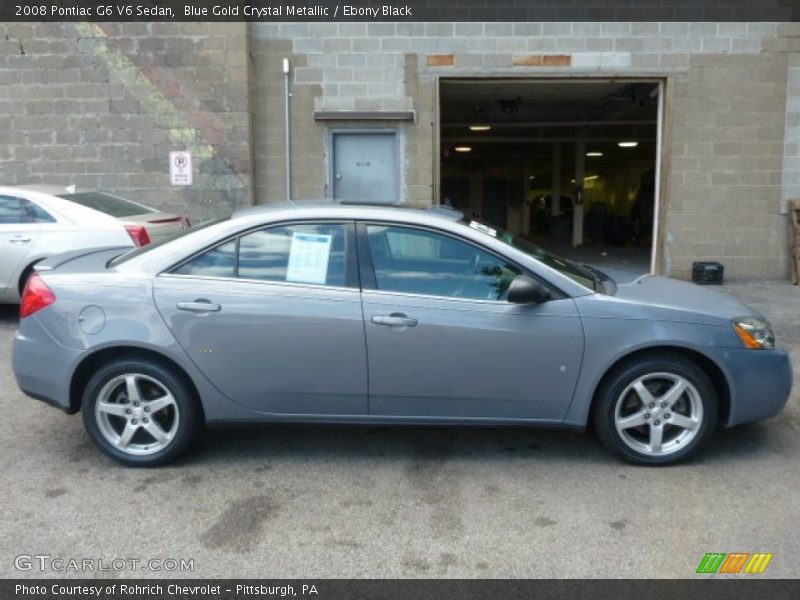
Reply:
x=19, y=240
x=394, y=320
x=199, y=306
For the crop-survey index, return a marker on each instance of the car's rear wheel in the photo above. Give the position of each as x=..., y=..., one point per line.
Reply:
x=139, y=412
x=656, y=410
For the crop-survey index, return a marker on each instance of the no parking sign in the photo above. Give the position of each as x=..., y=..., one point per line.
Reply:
x=180, y=168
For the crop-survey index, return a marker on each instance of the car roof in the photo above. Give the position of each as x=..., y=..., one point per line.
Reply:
x=44, y=188
x=323, y=209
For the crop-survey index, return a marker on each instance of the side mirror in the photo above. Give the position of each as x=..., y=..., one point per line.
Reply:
x=526, y=290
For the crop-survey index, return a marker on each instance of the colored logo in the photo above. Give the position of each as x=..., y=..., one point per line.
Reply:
x=735, y=562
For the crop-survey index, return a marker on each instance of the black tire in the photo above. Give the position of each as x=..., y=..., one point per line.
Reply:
x=184, y=412
x=617, y=383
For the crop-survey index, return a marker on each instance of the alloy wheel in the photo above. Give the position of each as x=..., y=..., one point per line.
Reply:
x=658, y=414
x=137, y=414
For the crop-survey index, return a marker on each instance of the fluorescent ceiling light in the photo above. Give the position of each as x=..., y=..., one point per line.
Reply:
x=480, y=127
x=594, y=154
x=463, y=148
x=628, y=144
x=591, y=177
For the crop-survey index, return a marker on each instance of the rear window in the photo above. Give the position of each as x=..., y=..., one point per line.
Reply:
x=138, y=251
x=108, y=204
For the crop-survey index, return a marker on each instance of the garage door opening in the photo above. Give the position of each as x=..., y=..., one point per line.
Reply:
x=570, y=165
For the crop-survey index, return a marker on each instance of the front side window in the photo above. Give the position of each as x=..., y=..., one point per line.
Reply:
x=577, y=273
x=299, y=253
x=416, y=261
x=18, y=210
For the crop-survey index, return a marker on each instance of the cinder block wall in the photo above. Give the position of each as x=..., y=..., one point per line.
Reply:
x=728, y=143
x=102, y=105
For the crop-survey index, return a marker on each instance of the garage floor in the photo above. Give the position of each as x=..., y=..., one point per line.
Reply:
x=623, y=263
x=405, y=502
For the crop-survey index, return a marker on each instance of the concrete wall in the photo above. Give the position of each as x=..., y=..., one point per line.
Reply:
x=729, y=111
x=102, y=105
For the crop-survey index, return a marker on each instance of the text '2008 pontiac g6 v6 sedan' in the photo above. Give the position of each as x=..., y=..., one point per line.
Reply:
x=359, y=314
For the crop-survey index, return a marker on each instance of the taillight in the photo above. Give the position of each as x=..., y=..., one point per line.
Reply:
x=138, y=234
x=35, y=296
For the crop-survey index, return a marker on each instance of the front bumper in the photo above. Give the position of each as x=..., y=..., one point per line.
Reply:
x=42, y=366
x=760, y=383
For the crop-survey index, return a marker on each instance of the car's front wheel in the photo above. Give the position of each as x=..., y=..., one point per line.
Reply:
x=139, y=412
x=656, y=410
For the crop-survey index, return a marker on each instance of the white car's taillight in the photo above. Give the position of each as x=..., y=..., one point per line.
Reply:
x=138, y=234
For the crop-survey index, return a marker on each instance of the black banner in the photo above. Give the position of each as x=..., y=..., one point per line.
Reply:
x=400, y=10
x=348, y=589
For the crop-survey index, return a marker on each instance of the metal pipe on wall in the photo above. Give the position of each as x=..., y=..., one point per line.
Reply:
x=288, y=128
x=577, y=207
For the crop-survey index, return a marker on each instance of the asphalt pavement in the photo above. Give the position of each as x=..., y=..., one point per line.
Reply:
x=302, y=501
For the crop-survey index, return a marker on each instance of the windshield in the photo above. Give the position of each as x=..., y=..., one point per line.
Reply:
x=108, y=204
x=575, y=272
x=139, y=250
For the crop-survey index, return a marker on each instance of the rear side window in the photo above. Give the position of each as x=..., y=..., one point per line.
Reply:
x=18, y=210
x=218, y=262
x=298, y=253
x=108, y=204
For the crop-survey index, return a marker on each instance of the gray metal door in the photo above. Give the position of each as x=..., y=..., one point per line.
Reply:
x=365, y=167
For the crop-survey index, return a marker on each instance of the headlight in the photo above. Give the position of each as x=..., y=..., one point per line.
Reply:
x=754, y=333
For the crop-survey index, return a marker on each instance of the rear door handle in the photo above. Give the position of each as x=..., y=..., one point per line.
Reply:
x=394, y=320
x=199, y=306
x=19, y=240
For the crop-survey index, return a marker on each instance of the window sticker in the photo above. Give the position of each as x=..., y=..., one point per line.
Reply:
x=308, y=258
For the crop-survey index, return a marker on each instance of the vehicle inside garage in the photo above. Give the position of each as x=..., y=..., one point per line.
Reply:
x=569, y=164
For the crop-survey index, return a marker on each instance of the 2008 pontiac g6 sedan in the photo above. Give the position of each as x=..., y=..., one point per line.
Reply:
x=360, y=314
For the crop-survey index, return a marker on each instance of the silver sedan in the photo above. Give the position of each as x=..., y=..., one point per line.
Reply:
x=357, y=314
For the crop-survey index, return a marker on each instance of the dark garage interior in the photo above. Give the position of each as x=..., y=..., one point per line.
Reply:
x=513, y=152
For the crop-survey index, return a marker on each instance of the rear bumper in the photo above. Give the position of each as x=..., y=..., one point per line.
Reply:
x=43, y=367
x=761, y=383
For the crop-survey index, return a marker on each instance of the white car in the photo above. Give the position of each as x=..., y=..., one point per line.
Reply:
x=39, y=221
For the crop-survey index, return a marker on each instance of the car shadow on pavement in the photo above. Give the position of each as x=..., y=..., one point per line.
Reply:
x=759, y=439
x=389, y=443
x=294, y=442
x=9, y=314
